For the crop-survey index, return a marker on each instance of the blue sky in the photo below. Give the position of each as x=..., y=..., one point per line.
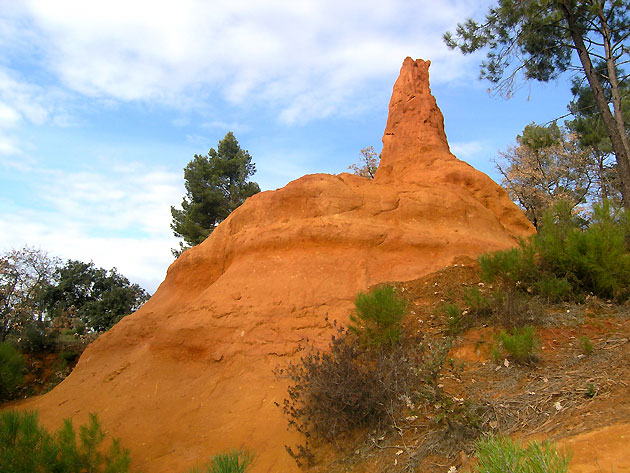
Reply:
x=102, y=104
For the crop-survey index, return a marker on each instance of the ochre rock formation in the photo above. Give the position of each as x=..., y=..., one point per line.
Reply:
x=190, y=373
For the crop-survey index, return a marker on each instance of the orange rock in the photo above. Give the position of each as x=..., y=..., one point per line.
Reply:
x=190, y=373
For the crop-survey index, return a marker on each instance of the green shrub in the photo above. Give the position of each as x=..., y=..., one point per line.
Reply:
x=378, y=317
x=564, y=260
x=26, y=447
x=509, y=267
x=235, y=461
x=11, y=370
x=520, y=343
x=554, y=289
x=586, y=345
x=454, y=318
x=477, y=303
x=597, y=258
x=502, y=455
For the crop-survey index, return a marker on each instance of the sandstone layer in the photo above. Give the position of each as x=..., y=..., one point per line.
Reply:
x=190, y=373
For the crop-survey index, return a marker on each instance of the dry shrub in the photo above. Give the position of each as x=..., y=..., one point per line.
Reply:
x=351, y=385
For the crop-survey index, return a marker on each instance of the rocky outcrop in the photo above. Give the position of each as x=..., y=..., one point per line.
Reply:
x=190, y=373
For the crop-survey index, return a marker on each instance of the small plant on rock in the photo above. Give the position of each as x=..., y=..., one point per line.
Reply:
x=378, y=316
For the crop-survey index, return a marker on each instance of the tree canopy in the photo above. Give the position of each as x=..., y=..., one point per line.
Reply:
x=216, y=184
x=35, y=289
x=98, y=297
x=546, y=166
x=543, y=38
x=23, y=275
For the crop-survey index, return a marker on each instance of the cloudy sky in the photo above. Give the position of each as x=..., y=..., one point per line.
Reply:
x=103, y=103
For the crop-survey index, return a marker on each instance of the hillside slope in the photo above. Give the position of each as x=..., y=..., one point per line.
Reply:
x=190, y=373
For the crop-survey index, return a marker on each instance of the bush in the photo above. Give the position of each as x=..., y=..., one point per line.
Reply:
x=26, y=447
x=502, y=455
x=520, y=344
x=477, y=303
x=509, y=267
x=554, y=289
x=565, y=261
x=334, y=392
x=38, y=339
x=11, y=370
x=456, y=323
x=596, y=258
x=235, y=461
x=378, y=317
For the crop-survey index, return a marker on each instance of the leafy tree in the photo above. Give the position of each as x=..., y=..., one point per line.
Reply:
x=367, y=164
x=547, y=165
x=539, y=39
x=216, y=184
x=100, y=298
x=23, y=275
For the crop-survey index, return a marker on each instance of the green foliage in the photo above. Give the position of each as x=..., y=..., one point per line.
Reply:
x=99, y=298
x=564, y=261
x=503, y=455
x=37, y=338
x=538, y=38
x=26, y=447
x=554, y=289
x=547, y=165
x=11, y=370
x=235, y=461
x=595, y=260
x=586, y=345
x=378, y=316
x=454, y=318
x=521, y=343
x=216, y=184
x=508, y=267
x=588, y=126
x=478, y=304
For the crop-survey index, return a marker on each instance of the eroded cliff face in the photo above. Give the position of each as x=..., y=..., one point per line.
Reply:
x=190, y=373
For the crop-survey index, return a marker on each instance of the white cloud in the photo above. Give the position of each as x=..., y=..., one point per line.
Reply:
x=8, y=147
x=119, y=217
x=311, y=58
x=467, y=150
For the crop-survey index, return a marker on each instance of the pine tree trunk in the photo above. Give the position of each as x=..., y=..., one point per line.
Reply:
x=618, y=137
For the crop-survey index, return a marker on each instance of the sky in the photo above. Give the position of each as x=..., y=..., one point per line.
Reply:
x=103, y=103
